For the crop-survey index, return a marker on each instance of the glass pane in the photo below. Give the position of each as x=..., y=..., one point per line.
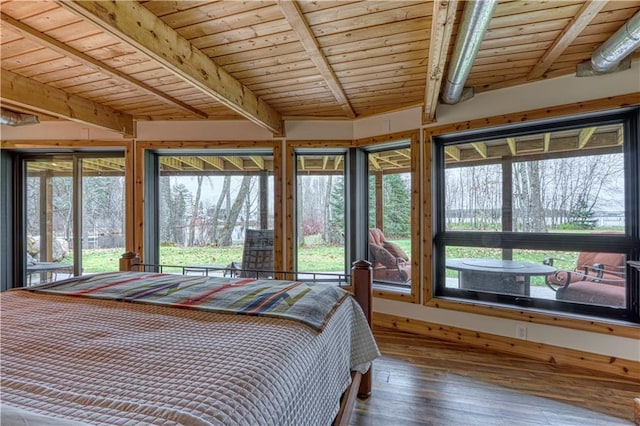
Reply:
x=49, y=220
x=565, y=181
x=102, y=214
x=390, y=215
x=473, y=198
x=207, y=205
x=577, y=277
x=320, y=213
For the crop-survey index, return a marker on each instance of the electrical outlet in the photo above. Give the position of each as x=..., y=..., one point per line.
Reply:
x=521, y=331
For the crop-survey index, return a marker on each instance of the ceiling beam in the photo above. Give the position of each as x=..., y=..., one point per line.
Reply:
x=547, y=141
x=133, y=24
x=28, y=93
x=578, y=23
x=92, y=63
x=300, y=26
x=584, y=136
x=444, y=15
x=481, y=147
x=258, y=161
x=194, y=162
x=512, y=145
x=236, y=161
x=453, y=152
x=216, y=162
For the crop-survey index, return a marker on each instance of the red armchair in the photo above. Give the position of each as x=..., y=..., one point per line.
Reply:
x=599, y=279
x=390, y=262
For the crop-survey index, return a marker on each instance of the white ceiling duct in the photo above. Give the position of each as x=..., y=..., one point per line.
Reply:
x=475, y=21
x=618, y=46
x=12, y=118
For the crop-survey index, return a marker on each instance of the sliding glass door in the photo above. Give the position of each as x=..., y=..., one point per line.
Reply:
x=73, y=215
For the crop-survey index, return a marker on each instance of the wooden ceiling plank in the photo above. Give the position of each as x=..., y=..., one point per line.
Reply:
x=49, y=100
x=444, y=15
x=95, y=65
x=194, y=162
x=216, y=162
x=298, y=23
x=133, y=24
x=584, y=136
x=576, y=25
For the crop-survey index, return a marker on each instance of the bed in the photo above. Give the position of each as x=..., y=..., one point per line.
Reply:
x=92, y=350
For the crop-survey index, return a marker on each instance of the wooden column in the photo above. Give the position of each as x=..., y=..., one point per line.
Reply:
x=362, y=281
x=128, y=261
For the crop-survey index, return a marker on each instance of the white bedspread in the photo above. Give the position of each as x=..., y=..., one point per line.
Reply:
x=113, y=363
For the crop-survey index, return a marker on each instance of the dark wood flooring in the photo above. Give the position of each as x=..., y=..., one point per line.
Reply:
x=421, y=381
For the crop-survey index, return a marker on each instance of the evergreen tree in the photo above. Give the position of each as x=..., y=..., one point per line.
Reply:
x=397, y=206
x=336, y=218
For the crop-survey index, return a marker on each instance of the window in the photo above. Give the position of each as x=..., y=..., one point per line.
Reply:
x=389, y=236
x=206, y=203
x=320, y=213
x=74, y=215
x=542, y=216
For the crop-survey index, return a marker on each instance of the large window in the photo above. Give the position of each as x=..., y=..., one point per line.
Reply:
x=208, y=206
x=389, y=237
x=320, y=213
x=73, y=215
x=544, y=216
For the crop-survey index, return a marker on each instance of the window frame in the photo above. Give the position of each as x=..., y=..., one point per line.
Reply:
x=627, y=243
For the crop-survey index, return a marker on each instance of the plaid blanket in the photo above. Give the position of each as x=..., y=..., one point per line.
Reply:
x=311, y=304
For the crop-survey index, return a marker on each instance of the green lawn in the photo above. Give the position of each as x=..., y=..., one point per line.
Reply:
x=312, y=258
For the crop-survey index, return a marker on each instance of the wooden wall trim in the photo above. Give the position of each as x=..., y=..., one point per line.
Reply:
x=389, y=137
x=85, y=144
x=540, y=351
x=557, y=319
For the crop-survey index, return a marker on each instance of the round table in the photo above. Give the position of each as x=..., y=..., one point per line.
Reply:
x=496, y=275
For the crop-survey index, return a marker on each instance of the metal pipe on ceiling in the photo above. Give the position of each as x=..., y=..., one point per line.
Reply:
x=618, y=46
x=475, y=21
x=12, y=118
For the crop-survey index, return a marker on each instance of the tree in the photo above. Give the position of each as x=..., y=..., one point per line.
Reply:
x=234, y=212
x=397, y=206
x=335, y=211
x=194, y=213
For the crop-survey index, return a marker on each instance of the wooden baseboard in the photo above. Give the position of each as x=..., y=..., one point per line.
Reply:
x=552, y=354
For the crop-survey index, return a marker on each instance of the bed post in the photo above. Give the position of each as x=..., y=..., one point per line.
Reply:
x=361, y=282
x=128, y=260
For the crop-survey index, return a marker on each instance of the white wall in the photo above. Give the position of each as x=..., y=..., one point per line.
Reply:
x=57, y=130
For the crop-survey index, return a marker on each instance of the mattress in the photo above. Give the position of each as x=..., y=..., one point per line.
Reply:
x=105, y=362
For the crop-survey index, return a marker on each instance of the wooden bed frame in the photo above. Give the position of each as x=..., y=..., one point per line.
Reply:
x=361, y=284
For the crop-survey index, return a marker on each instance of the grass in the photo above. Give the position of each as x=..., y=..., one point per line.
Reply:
x=311, y=257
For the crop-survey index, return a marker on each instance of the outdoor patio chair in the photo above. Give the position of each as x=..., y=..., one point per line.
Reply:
x=598, y=278
x=257, y=255
x=390, y=262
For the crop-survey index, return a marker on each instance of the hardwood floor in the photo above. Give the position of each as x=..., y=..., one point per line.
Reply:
x=421, y=381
